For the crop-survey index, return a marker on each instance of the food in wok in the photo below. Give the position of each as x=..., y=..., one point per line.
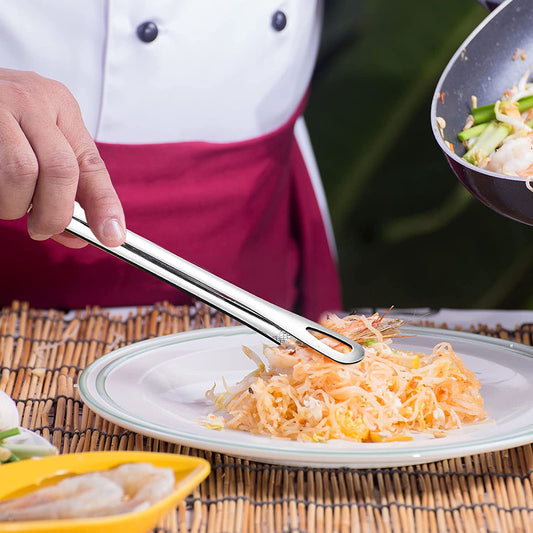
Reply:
x=499, y=136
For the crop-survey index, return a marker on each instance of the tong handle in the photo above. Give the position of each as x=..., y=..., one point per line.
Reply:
x=258, y=314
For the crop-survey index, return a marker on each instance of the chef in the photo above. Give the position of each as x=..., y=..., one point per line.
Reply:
x=181, y=117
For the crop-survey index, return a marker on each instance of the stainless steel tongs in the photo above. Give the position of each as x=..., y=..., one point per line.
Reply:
x=268, y=319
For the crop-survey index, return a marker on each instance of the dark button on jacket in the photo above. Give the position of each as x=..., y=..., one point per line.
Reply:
x=147, y=31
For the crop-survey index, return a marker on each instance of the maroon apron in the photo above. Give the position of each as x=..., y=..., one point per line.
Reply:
x=244, y=211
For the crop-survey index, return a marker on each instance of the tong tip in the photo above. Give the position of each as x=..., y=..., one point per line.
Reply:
x=351, y=352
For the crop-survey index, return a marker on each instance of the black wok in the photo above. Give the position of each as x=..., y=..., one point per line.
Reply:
x=483, y=66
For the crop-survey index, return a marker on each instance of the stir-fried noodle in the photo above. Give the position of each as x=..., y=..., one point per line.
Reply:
x=299, y=394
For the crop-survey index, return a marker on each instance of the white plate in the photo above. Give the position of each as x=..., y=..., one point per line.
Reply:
x=157, y=388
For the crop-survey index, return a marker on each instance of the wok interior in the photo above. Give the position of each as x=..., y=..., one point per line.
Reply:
x=485, y=66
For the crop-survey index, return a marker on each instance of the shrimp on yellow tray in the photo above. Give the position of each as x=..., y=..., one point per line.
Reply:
x=128, y=487
x=299, y=394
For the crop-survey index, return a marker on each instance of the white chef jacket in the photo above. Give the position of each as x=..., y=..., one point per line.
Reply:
x=217, y=70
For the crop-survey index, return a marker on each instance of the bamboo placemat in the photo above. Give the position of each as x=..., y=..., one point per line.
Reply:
x=43, y=352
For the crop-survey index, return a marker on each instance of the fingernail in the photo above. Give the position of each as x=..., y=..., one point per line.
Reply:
x=112, y=230
x=39, y=237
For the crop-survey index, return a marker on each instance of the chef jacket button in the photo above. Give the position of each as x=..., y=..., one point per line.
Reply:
x=147, y=31
x=279, y=20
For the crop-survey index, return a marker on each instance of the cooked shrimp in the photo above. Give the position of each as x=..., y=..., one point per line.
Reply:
x=129, y=487
x=513, y=157
x=142, y=482
x=78, y=496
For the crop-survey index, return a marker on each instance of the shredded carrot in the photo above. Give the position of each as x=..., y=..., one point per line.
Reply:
x=301, y=395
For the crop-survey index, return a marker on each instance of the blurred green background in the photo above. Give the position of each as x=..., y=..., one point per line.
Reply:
x=408, y=234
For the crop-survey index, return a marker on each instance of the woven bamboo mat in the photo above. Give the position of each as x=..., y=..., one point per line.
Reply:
x=42, y=354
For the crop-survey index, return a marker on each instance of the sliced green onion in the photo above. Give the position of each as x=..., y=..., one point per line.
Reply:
x=525, y=103
x=487, y=142
x=9, y=433
x=475, y=131
x=25, y=451
x=485, y=113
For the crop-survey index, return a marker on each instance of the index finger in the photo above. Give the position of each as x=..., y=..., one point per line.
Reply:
x=96, y=193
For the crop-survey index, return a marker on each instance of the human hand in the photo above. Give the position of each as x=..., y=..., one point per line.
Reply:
x=48, y=159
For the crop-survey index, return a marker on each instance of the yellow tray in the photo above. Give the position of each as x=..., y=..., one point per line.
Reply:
x=22, y=477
